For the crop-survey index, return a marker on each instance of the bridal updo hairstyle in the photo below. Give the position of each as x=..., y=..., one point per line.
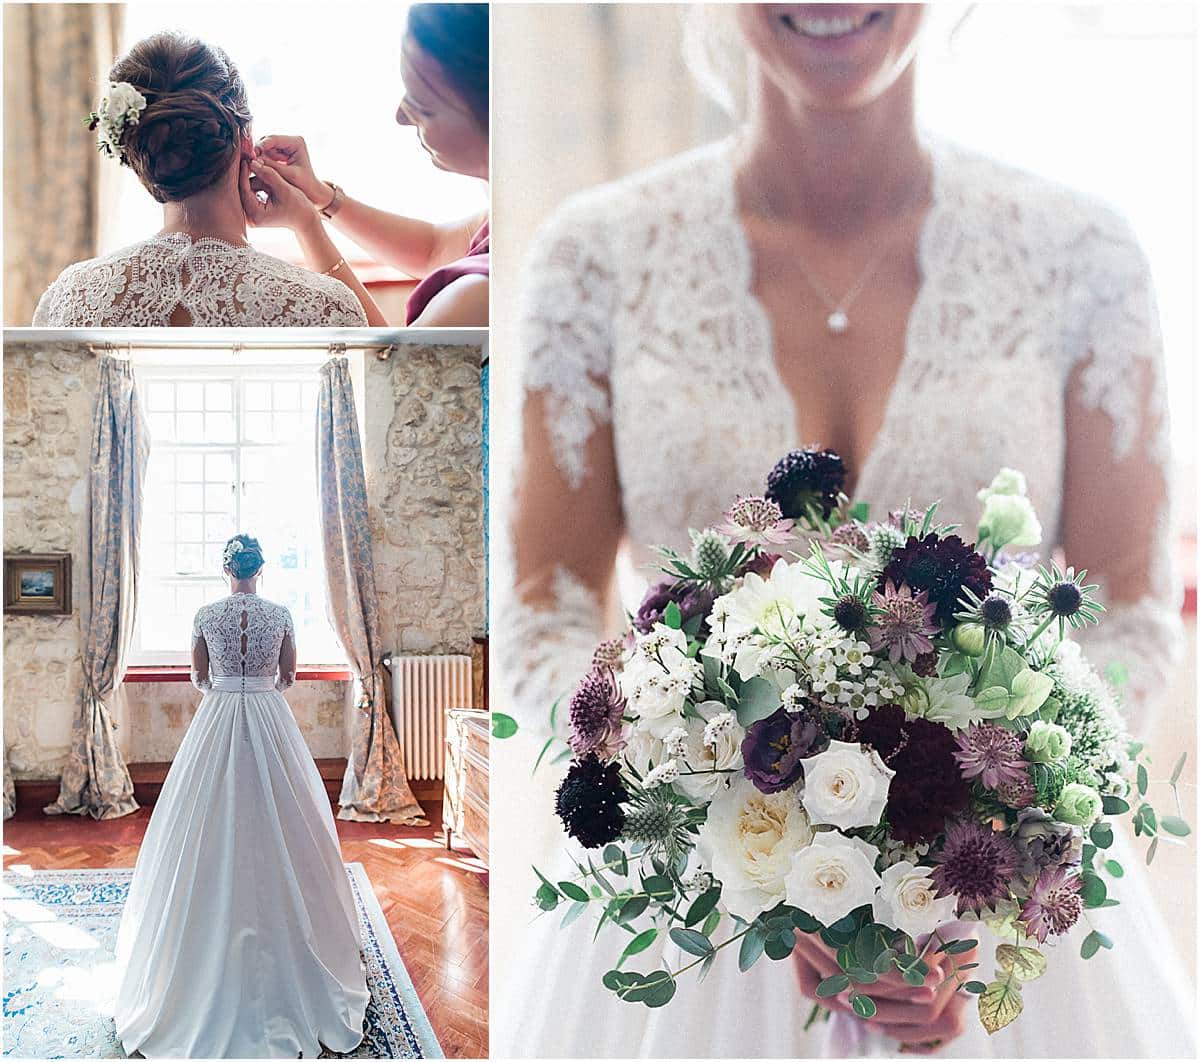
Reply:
x=196, y=112
x=456, y=37
x=246, y=562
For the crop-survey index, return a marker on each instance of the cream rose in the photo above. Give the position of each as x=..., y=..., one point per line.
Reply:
x=845, y=786
x=907, y=900
x=712, y=744
x=831, y=877
x=749, y=841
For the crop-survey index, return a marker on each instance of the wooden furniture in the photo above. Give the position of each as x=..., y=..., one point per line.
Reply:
x=465, y=800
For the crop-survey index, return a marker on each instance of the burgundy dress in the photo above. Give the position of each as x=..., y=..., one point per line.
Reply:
x=476, y=260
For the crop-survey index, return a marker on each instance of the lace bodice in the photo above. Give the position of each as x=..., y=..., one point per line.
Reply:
x=218, y=284
x=244, y=634
x=638, y=319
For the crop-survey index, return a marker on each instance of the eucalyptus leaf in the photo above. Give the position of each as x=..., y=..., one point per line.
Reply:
x=503, y=726
x=639, y=944
x=831, y=986
x=691, y=941
x=752, y=946
x=757, y=700
x=1178, y=768
x=702, y=906
x=572, y=891
x=1173, y=824
x=864, y=1006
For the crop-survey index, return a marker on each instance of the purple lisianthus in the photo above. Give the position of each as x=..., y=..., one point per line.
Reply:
x=774, y=748
x=692, y=601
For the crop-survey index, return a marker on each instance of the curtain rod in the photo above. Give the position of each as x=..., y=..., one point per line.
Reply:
x=383, y=351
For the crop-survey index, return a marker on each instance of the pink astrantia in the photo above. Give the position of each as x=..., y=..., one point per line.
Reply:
x=756, y=522
x=1055, y=905
x=903, y=624
x=993, y=755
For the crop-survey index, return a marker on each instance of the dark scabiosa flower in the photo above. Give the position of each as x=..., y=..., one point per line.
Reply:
x=596, y=708
x=1054, y=905
x=851, y=613
x=943, y=568
x=926, y=665
x=807, y=481
x=928, y=788
x=760, y=565
x=589, y=802
x=773, y=748
x=692, y=601
x=975, y=865
x=993, y=754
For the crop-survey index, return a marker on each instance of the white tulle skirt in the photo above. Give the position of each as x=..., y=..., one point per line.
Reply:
x=239, y=938
x=1134, y=1001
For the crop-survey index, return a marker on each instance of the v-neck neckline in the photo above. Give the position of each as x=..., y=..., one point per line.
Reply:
x=762, y=319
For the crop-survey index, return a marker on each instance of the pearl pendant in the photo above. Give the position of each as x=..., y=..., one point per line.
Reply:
x=837, y=322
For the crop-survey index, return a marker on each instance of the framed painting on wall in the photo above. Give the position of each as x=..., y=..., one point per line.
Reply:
x=37, y=584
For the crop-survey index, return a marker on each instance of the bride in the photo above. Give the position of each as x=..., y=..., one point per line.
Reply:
x=176, y=113
x=240, y=937
x=829, y=274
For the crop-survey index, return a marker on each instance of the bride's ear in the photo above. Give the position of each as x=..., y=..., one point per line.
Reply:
x=246, y=145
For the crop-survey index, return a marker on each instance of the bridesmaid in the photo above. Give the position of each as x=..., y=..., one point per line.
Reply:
x=444, y=67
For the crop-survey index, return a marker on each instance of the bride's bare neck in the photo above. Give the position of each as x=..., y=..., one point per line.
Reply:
x=833, y=171
x=216, y=212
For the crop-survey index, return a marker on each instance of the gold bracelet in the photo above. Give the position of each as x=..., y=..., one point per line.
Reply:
x=335, y=203
x=334, y=268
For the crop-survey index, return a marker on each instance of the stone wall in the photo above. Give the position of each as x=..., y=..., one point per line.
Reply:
x=424, y=458
x=422, y=453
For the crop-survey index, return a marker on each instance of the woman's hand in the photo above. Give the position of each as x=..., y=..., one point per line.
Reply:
x=269, y=201
x=289, y=155
x=922, y=1019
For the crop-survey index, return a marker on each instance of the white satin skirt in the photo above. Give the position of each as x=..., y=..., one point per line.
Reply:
x=1135, y=1001
x=240, y=938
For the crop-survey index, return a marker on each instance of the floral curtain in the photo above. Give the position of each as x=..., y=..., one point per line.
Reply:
x=10, y=790
x=55, y=184
x=95, y=779
x=375, y=788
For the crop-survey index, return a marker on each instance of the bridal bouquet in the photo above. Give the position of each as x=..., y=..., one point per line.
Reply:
x=868, y=730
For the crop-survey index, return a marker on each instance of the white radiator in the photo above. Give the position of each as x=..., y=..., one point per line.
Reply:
x=424, y=688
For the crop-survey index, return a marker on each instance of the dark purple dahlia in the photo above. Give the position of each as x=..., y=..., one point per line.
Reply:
x=943, y=568
x=928, y=787
x=692, y=601
x=774, y=748
x=807, y=479
x=589, y=802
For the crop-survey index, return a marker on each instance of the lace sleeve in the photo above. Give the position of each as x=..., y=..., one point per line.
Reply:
x=1116, y=515
x=201, y=673
x=45, y=316
x=287, y=655
x=564, y=523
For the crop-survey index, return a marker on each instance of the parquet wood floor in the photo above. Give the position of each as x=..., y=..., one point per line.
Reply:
x=435, y=901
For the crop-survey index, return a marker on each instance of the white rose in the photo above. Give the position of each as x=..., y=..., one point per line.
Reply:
x=642, y=749
x=845, y=786
x=907, y=900
x=749, y=841
x=710, y=748
x=831, y=877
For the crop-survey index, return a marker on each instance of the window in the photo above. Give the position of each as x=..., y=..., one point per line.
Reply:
x=232, y=450
x=312, y=72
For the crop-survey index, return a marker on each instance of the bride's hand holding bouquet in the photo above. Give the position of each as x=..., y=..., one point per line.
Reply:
x=854, y=743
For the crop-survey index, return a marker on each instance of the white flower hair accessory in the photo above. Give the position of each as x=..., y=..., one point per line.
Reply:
x=233, y=548
x=122, y=107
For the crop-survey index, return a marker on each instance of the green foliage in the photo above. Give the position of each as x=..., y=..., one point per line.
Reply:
x=503, y=726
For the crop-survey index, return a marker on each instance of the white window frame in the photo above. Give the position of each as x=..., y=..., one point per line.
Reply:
x=240, y=370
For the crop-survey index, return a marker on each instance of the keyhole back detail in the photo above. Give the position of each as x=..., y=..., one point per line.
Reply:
x=245, y=625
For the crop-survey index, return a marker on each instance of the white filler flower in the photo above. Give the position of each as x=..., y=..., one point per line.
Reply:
x=831, y=877
x=749, y=840
x=907, y=900
x=845, y=786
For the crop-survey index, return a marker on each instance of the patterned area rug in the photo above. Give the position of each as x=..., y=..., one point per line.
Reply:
x=60, y=932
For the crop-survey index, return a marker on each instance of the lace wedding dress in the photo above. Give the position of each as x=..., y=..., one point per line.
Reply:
x=240, y=938
x=216, y=283
x=1033, y=343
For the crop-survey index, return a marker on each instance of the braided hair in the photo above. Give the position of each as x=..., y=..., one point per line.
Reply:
x=196, y=113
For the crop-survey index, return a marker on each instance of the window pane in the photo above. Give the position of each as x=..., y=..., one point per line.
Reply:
x=160, y=396
x=219, y=427
x=218, y=467
x=189, y=498
x=258, y=395
x=189, y=396
x=189, y=467
x=189, y=560
x=218, y=396
x=258, y=427
x=287, y=395
x=190, y=427
x=162, y=426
